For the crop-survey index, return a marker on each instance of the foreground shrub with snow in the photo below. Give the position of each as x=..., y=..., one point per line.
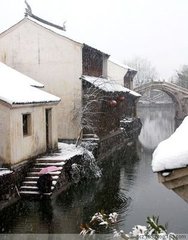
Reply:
x=86, y=168
x=153, y=230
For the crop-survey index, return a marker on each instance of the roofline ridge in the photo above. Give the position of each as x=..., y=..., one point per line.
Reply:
x=28, y=12
x=45, y=21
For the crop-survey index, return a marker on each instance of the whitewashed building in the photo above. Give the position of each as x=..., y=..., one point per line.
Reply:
x=48, y=56
x=122, y=73
x=28, y=122
x=46, y=53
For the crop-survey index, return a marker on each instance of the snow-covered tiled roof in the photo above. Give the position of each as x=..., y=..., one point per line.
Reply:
x=108, y=85
x=10, y=73
x=16, y=88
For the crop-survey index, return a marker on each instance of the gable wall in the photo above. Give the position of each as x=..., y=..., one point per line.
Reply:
x=52, y=60
x=116, y=72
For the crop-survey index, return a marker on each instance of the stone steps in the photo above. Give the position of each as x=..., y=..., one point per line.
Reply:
x=47, y=164
x=55, y=160
x=31, y=188
x=90, y=138
x=32, y=178
x=89, y=135
x=35, y=174
x=36, y=193
x=29, y=185
x=34, y=183
x=37, y=169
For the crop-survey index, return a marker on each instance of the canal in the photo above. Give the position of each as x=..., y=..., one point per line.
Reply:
x=128, y=186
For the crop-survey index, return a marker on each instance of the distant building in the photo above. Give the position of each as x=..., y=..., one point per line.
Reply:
x=28, y=124
x=122, y=73
x=47, y=54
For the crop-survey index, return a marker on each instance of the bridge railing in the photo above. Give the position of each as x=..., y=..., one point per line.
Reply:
x=171, y=86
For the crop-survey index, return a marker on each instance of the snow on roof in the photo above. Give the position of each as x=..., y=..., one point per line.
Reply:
x=172, y=153
x=108, y=85
x=121, y=64
x=16, y=88
x=8, y=72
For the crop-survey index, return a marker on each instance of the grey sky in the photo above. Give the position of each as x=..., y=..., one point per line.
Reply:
x=152, y=29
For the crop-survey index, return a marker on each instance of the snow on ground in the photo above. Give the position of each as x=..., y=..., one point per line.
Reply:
x=69, y=150
x=172, y=153
x=66, y=152
x=5, y=171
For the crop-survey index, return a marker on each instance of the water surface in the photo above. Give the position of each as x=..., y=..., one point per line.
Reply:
x=128, y=186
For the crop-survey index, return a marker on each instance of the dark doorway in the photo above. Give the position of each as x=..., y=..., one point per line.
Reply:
x=48, y=114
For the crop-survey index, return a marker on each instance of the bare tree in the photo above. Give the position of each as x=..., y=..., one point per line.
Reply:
x=92, y=99
x=181, y=77
x=146, y=72
x=97, y=104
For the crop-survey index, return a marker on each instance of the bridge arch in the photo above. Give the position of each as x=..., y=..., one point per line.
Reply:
x=178, y=95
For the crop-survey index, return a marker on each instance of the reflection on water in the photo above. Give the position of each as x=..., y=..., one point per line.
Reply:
x=128, y=186
x=157, y=125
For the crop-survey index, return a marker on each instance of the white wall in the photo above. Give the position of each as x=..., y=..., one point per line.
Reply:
x=4, y=134
x=14, y=146
x=24, y=147
x=51, y=59
x=116, y=72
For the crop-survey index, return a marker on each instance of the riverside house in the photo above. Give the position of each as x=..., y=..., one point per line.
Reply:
x=28, y=123
x=45, y=52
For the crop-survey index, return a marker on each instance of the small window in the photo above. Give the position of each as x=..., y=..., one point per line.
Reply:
x=26, y=118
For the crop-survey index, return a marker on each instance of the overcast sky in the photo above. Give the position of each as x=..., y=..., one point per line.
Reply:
x=153, y=29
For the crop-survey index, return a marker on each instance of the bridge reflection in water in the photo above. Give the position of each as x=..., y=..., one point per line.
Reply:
x=157, y=125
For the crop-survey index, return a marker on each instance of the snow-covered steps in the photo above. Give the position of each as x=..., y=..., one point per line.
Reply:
x=33, y=179
x=36, y=193
x=38, y=168
x=34, y=183
x=35, y=174
x=66, y=153
x=90, y=138
x=29, y=185
x=31, y=188
x=52, y=160
x=47, y=164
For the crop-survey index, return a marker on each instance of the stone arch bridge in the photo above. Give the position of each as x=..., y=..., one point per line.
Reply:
x=179, y=95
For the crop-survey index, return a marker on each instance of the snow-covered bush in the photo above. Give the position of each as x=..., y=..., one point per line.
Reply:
x=152, y=231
